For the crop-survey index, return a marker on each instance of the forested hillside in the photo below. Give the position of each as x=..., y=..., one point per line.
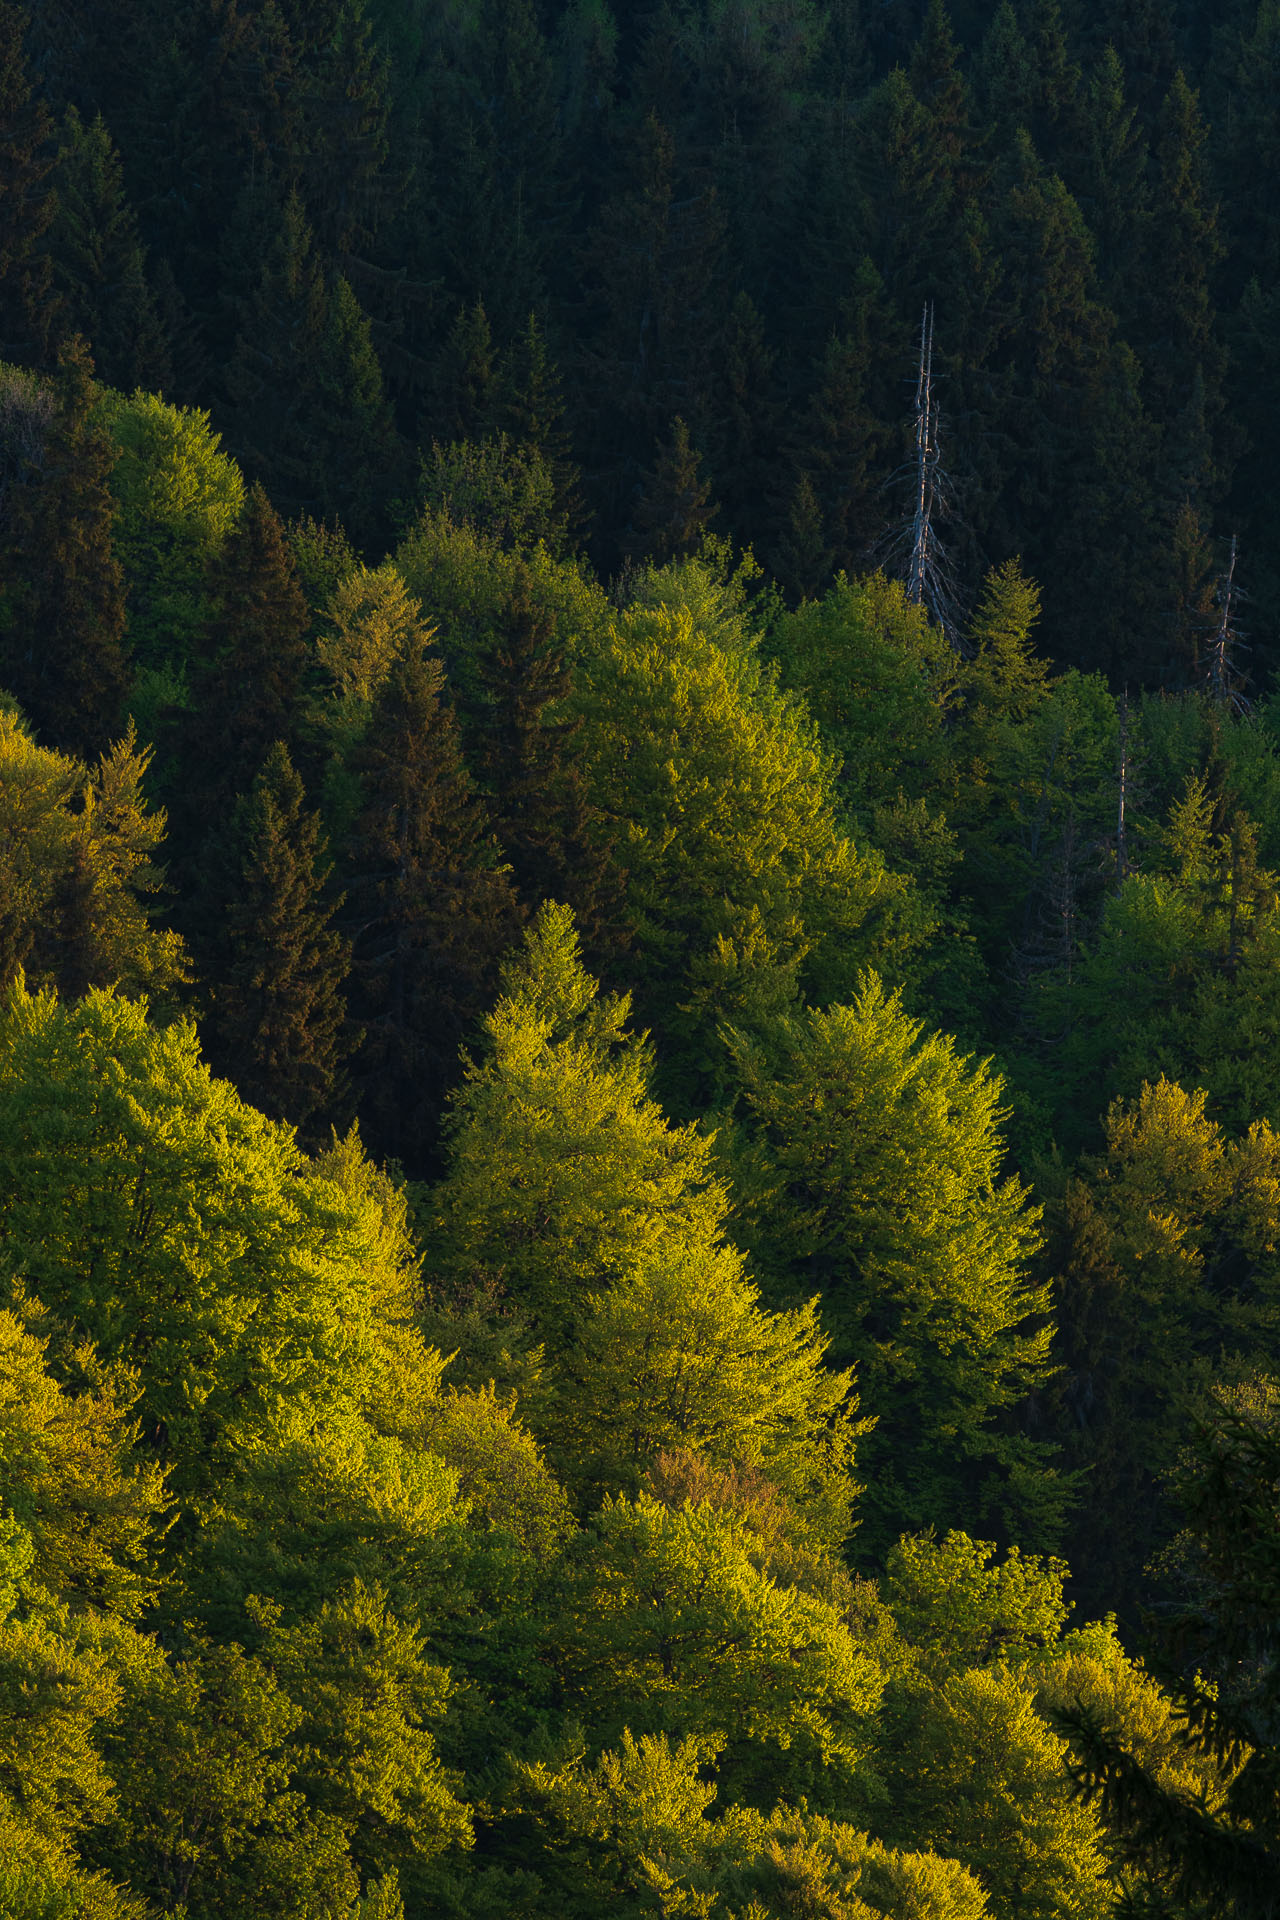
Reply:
x=639, y=960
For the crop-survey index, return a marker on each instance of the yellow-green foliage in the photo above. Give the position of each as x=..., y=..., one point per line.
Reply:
x=641, y=1825
x=177, y=498
x=880, y=678
x=877, y=1172
x=183, y=1231
x=370, y=622
x=70, y=1478
x=78, y=853
x=606, y=1224
x=464, y=581
x=722, y=797
x=669, y=1625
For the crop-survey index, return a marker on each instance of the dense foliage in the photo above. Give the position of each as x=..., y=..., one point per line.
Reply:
x=639, y=1078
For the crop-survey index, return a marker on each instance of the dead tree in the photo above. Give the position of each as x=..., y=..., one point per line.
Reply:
x=1224, y=678
x=1122, y=831
x=916, y=546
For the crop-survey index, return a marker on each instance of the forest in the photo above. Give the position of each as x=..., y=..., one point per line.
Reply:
x=639, y=960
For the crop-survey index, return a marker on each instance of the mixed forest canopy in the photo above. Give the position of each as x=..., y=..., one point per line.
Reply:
x=639, y=960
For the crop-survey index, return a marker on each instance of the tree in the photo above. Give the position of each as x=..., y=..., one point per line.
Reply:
x=465, y=376
x=605, y=1224
x=840, y=439
x=531, y=761
x=1005, y=679
x=879, y=677
x=527, y=403
x=279, y=1015
x=1222, y=1649
x=177, y=499
x=879, y=1179
x=187, y=1236
x=673, y=509
x=245, y=697
x=99, y=266
x=744, y=427
x=77, y=864
x=640, y=1823
x=1160, y=1248
x=741, y=873
x=669, y=1628
x=652, y=267
x=309, y=414
x=62, y=617
x=228, y=1803
x=29, y=317
x=72, y=1481
x=431, y=906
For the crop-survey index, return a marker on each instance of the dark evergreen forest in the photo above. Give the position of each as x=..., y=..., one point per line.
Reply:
x=639, y=960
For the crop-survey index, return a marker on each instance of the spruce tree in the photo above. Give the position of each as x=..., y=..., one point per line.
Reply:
x=430, y=908
x=652, y=263
x=500, y=194
x=527, y=403
x=309, y=415
x=99, y=267
x=464, y=377
x=246, y=698
x=530, y=763
x=278, y=1009
x=359, y=464
x=345, y=148
x=62, y=616
x=745, y=422
x=802, y=559
x=674, y=508
x=28, y=306
x=1180, y=251
x=1109, y=176
x=841, y=443
x=1006, y=74
x=938, y=84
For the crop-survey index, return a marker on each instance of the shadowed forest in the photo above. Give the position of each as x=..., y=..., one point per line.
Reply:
x=639, y=960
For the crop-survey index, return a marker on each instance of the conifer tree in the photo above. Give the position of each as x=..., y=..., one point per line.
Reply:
x=938, y=84
x=652, y=266
x=1109, y=176
x=745, y=421
x=674, y=507
x=345, y=142
x=527, y=403
x=802, y=559
x=907, y=177
x=99, y=267
x=359, y=462
x=245, y=699
x=1143, y=34
x=28, y=308
x=62, y=618
x=278, y=1009
x=839, y=445
x=502, y=212
x=465, y=376
x=1058, y=111
x=550, y=832
x=1006, y=75
x=1005, y=678
x=430, y=908
x=309, y=413
x=1181, y=248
